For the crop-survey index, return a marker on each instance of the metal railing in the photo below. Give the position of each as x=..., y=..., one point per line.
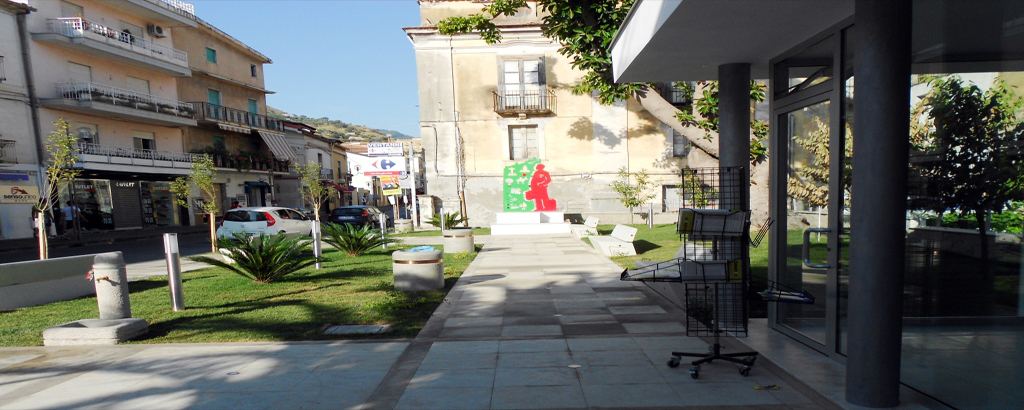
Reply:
x=118, y=96
x=122, y=152
x=676, y=94
x=8, y=152
x=327, y=174
x=207, y=111
x=177, y=6
x=81, y=28
x=514, y=100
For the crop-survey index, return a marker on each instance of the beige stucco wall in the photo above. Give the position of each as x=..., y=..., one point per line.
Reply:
x=115, y=133
x=233, y=62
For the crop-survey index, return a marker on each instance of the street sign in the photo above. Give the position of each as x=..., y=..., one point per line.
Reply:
x=385, y=149
x=385, y=166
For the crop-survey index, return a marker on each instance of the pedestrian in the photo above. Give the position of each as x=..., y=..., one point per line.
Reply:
x=71, y=213
x=234, y=204
x=362, y=199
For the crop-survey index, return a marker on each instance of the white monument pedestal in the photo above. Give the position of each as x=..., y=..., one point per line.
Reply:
x=527, y=223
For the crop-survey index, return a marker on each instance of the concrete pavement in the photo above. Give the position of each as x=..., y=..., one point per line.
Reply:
x=536, y=322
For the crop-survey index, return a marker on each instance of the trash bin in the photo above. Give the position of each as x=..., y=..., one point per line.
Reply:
x=418, y=270
x=403, y=225
x=458, y=240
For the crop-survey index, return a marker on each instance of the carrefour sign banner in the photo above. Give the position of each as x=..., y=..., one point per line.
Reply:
x=526, y=187
x=19, y=194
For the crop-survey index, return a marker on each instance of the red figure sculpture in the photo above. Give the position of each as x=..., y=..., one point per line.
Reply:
x=538, y=192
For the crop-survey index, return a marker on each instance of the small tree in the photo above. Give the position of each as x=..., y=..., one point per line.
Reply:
x=633, y=195
x=203, y=173
x=312, y=189
x=60, y=146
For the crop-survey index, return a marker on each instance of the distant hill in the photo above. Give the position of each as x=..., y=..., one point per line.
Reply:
x=336, y=129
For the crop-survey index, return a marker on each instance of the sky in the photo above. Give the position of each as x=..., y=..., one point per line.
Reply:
x=347, y=60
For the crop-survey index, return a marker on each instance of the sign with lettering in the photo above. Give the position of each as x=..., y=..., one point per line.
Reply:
x=385, y=149
x=19, y=194
x=385, y=166
x=526, y=187
x=389, y=185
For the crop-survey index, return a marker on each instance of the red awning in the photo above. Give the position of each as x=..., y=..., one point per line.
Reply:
x=336, y=186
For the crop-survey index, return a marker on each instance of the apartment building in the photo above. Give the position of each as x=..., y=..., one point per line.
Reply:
x=485, y=107
x=110, y=69
x=314, y=149
x=226, y=89
x=19, y=170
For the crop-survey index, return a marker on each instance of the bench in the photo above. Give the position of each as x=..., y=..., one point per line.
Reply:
x=588, y=228
x=619, y=243
x=32, y=283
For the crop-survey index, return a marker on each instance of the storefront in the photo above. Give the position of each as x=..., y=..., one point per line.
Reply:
x=116, y=204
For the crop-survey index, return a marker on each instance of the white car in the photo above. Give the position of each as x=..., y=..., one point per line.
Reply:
x=265, y=220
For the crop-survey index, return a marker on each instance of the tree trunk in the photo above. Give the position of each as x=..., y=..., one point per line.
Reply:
x=44, y=246
x=982, y=216
x=213, y=232
x=664, y=111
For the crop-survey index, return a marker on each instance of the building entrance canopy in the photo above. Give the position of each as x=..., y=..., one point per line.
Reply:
x=278, y=145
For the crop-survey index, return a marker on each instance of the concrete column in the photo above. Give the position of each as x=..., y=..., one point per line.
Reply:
x=879, y=200
x=734, y=121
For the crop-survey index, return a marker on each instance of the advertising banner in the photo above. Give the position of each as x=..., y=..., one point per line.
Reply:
x=389, y=185
x=385, y=149
x=385, y=166
x=19, y=194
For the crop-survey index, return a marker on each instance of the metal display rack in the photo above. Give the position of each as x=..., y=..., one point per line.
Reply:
x=712, y=264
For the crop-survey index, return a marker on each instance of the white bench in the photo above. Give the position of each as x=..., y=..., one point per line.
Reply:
x=619, y=243
x=588, y=228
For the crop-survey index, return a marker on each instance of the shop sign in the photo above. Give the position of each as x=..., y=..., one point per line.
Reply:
x=19, y=194
x=385, y=166
x=124, y=184
x=385, y=149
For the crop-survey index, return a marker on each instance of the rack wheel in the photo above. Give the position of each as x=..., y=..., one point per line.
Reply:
x=745, y=371
x=751, y=360
x=695, y=372
x=673, y=362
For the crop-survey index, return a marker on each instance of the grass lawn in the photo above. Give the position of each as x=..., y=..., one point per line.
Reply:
x=437, y=232
x=661, y=244
x=225, y=307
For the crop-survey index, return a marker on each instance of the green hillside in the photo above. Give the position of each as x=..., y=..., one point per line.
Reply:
x=336, y=129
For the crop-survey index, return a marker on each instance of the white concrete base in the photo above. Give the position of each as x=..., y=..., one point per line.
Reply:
x=94, y=332
x=527, y=229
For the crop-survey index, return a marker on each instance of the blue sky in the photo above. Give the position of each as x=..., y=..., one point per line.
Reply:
x=348, y=60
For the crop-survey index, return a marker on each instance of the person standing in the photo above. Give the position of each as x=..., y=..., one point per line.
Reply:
x=71, y=213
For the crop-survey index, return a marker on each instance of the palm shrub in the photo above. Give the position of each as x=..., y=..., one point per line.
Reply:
x=354, y=241
x=262, y=258
x=450, y=220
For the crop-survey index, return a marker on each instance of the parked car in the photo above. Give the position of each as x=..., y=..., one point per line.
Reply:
x=264, y=220
x=359, y=215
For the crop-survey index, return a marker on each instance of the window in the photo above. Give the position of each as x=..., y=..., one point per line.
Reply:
x=79, y=73
x=218, y=142
x=211, y=55
x=69, y=10
x=522, y=142
x=144, y=140
x=254, y=106
x=86, y=133
x=138, y=85
x=252, y=70
x=320, y=159
x=680, y=145
x=213, y=96
x=523, y=83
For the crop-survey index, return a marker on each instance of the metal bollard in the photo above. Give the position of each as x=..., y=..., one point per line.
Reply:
x=317, y=247
x=650, y=216
x=110, y=277
x=442, y=220
x=383, y=229
x=174, y=271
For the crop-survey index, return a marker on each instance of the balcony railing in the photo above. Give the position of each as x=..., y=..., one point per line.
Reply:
x=515, y=101
x=675, y=94
x=8, y=153
x=212, y=112
x=243, y=162
x=145, y=154
x=123, y=97
x=177, y=6
x=77, y=27
x=327, y=174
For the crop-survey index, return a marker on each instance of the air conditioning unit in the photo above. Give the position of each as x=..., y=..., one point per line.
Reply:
x=155, y=30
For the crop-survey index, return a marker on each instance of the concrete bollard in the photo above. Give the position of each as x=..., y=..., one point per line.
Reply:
x=403, y=225
x=111, y=280
x=418, y=270
x=458, y=240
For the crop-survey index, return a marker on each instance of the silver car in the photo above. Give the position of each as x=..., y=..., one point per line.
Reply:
x=267, y=220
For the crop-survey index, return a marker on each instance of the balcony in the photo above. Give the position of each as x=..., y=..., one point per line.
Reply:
x=327, y=174
x=8, y=152
x=104, y=100
x=95, y=156
x=244, y=121
x=94, y=39
x=249, y=163
x=514, y=101
x=162, y=12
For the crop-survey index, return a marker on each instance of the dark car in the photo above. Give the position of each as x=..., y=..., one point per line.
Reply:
x=358, y=216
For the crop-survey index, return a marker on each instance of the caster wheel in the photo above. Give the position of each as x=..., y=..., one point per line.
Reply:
x=673, y=362
x=745, y=371
x=695, y=372
x=751, y=360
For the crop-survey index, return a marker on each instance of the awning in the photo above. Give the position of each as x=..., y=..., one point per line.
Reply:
x=278, y=146
x=234, y=128
x=13, y=176
x=256, y=183
x=336, y=186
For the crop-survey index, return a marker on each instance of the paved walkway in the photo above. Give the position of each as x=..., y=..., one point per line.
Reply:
x=539, y=322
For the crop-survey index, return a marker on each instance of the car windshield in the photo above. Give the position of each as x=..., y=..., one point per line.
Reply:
x=348, y=212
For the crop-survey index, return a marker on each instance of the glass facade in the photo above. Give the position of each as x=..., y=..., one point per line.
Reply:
x=111, y=204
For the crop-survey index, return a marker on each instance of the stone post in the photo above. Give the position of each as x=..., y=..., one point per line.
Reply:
x=111, y=280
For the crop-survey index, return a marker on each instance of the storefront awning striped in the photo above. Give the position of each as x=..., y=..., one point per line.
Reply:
x=235, y=128
x=278, y=146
